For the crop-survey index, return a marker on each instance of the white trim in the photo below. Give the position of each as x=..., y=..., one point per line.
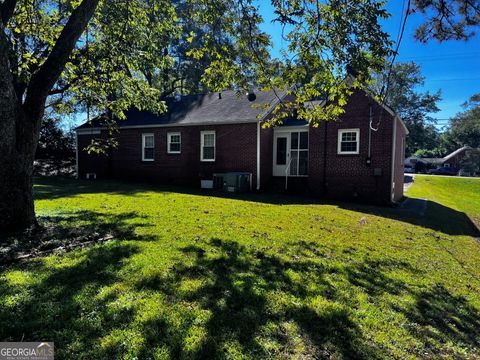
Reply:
x=93, y=131
x=339, y=141
x=76, y=155
x=169, y=141
x=289, y=129
x=394, y=145
x=286, y=132
x=258, y=158
x=143, y=146
x=403, y=125
x=209, y=132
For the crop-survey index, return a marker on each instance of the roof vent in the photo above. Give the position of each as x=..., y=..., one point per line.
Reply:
x=219, y=95
x=251, y=96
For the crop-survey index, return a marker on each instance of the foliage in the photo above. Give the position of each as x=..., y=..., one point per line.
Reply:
x=53, y=142
x=447, y=20
x=411, y=104
x=465, y=127
x=137, y=51
x=471, y=162
x=195, y=275
x=424, y=153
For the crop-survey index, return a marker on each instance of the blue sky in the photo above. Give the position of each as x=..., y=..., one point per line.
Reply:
x=453, y=66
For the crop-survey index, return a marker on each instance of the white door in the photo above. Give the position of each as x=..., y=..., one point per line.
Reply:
x=290, y=152
x=281, y=153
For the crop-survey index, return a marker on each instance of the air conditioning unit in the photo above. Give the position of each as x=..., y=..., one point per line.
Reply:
x=233, y=182
x=218, y=181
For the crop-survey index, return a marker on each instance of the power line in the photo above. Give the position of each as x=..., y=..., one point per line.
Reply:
x=453, y=79
x=441, y=56
x=386, y=86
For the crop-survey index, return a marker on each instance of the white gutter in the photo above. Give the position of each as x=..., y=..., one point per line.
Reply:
x=76, y=154
x=258, y=155
x=394, y=145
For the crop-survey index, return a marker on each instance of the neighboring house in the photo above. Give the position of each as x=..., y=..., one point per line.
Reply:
x=453, y=159
x=206, y=134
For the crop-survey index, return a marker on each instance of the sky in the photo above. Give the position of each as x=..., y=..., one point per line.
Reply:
x=452, y=66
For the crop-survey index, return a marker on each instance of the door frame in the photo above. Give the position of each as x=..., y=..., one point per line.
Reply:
x=286, y=131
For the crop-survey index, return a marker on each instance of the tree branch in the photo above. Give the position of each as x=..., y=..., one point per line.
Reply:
x=6, y=10
x=42, y=81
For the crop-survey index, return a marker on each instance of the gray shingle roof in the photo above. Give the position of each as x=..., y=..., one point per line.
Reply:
x=229, y=108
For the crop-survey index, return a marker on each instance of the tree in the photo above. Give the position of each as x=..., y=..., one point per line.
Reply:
x=471, y=162
x=47, y=59
x=465, y=127
x=412, y=105
x=447, y=20
x=53, y=142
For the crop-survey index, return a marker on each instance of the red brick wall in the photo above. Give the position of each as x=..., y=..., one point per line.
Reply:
x=348, y=176
x=266, y=151
x=91, y=163
x=236, y=149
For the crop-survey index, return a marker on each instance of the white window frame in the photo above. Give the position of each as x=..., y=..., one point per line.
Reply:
x=169, y=141
x=202, y=137
x=143, y=146
x=339, y=146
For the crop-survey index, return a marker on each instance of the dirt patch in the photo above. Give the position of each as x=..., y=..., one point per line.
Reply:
x=476, y=223
x=46, y=239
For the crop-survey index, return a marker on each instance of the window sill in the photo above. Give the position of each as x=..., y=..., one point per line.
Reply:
x=174, y=152
x=148, y=160
x=207, y=160
x=348, y=153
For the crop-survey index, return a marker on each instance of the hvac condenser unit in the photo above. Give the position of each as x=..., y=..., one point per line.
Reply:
x=233, y=181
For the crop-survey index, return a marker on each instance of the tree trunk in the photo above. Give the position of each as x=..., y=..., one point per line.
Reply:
x=21, y=115
x=16, y=196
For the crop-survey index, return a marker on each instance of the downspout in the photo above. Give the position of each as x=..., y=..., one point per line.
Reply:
x=370, y=135
x=325, y=160
x=394, y=143
x=76, y=155
x=258, y=155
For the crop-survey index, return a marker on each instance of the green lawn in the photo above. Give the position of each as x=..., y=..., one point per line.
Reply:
x=195, y=275
x=461, y=194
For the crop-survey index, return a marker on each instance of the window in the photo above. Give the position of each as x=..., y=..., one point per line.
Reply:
x=174, y=143
x=148, y=147
x=299, y=153
x=348, y=141
x=207, y=145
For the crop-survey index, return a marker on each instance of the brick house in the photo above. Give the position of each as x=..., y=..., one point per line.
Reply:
x=454, y=159
x=206, y=134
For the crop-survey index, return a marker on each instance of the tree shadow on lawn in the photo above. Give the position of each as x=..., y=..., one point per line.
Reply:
x=56, y=187
x=254, y=297
x=50, y=310
x=438, y=217
x=72, y=229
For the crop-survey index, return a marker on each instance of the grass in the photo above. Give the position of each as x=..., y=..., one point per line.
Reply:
x=196, y=275
x=461, y=194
